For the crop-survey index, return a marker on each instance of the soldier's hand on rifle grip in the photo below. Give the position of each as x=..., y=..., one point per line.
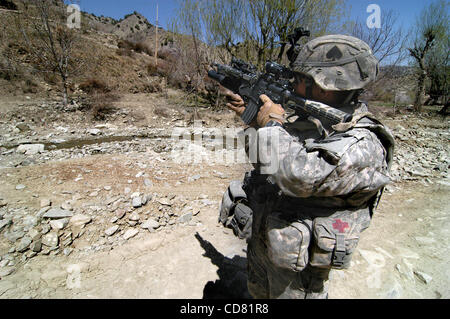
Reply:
x=269, y=112
x=235, y=101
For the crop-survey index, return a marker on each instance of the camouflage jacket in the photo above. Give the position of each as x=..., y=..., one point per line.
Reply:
x=345, y=169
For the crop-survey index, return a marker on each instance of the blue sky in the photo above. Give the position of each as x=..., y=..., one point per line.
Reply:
x=117, y=9
x=407, y=9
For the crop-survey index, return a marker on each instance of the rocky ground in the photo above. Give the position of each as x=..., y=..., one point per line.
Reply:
x=105, y=210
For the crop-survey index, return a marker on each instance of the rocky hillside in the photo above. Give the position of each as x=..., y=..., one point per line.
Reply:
x=116, y=53
x=133, y=27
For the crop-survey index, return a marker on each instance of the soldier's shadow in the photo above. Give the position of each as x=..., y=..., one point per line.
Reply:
x=232, y=282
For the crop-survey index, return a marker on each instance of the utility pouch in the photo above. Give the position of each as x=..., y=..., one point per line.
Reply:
x=230, y=198
x=234, y=212
x=336, y=237
x=241, y=222
x=288, y=241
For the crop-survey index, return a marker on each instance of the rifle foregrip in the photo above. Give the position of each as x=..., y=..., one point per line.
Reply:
x=321, y=110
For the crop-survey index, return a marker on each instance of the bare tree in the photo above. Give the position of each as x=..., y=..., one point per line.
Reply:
x=437, y=64
x=189, y=21
x=255, y=30
x=439, y=72
x=318, y=16
x=418, y=52
x=430, y=29
x=43, y=25
x=386, y=42
x=217, y=15
x=258, y=28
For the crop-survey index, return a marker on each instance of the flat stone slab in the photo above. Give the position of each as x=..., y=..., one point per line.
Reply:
x=4, y=223
x=80, y=219
x=130, y=233
x=7, y=271
x=112, y=230
x=57, y=213
x=185, y=218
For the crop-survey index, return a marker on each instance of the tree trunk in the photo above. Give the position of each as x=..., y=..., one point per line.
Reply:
x=280, y=54
x=260, y=57
x=420, y=94
x=65, y=93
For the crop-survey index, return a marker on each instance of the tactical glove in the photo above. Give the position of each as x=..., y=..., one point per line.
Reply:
x=270, y=112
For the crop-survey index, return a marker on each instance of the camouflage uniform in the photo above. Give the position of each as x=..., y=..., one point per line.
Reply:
x=307, y=217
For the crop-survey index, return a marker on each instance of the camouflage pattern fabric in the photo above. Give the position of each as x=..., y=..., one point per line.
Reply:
x=337, y=62
x=344, y=163
x=288, y=241
x=324, y=197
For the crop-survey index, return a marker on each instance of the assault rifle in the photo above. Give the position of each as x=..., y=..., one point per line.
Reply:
x=244, y=79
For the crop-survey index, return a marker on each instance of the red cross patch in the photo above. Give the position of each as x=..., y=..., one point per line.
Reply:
x=340, y=226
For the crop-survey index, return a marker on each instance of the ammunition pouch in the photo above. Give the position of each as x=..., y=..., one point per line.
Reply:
x=288, y=241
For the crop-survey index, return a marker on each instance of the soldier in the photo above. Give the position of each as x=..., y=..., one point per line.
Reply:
x=306, y=218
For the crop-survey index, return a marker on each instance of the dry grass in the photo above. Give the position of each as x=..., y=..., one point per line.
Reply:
x=94, y=85
x=162, y=111
x=127, y=48
x=103, y=68
x=102, y=104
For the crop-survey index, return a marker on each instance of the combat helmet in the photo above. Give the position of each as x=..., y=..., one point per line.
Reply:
x=337, y=62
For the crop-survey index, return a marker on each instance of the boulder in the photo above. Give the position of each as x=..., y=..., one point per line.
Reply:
x=137, y=202
x=150, y=224
x=59, y=224
x=36, y=246
x=23, y=244
x=425, y=278
x=134, y=217
x=30, y=149
x=50, y=239
x=45, y=202
x=94, y=131
x=4, y=223
x=185, y=218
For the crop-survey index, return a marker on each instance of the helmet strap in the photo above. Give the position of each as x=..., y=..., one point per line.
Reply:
x=308, y=87
x=349, y=98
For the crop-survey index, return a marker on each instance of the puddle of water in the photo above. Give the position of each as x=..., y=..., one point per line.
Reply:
x=78, y=143
x=221, y=143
